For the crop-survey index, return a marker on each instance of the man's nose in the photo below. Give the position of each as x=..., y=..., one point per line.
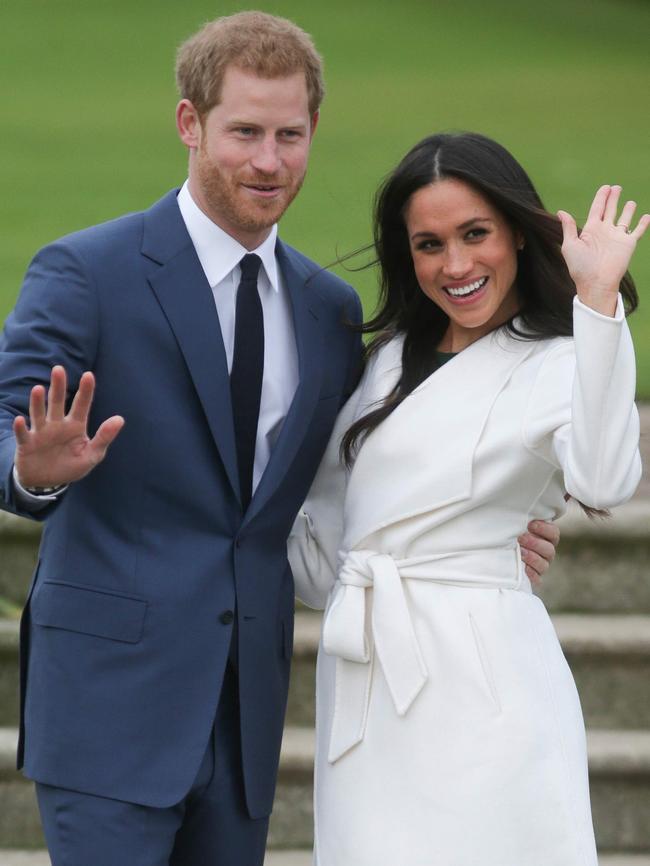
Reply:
x=266, y=158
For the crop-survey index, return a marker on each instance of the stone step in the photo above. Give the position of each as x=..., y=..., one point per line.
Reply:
x=9, y=672
x=619, y=764
x=273, y=858
x=292, y=858
x=608, y=654
x=291, y=824
x=602, y=565
x=609, y=657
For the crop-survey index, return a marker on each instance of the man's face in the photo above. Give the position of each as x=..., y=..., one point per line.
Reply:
x=251, y=151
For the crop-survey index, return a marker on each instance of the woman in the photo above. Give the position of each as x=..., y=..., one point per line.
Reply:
x=449, y=729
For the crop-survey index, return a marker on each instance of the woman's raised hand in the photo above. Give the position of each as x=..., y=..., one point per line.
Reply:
x=599, y=256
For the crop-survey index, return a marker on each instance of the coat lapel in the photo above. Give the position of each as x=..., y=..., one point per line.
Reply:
x=184, y=294
x=306, y=305
x=426, y=446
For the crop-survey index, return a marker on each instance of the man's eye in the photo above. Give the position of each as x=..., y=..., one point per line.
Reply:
x=245, y=130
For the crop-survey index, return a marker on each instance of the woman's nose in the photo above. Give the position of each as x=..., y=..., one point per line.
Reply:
x=458, y=262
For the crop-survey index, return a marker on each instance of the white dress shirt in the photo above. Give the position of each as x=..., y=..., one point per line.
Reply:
x=220, y=254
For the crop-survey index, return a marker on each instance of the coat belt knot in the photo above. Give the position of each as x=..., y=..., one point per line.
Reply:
x=345, y=633
x=350, y=637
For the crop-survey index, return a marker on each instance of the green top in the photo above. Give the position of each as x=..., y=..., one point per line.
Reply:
x=443, y=357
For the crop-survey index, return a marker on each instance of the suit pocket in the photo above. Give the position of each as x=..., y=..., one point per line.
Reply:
x=89, y=611
x=485, y=664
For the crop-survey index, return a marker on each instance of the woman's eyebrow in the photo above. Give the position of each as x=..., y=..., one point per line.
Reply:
x=468, y=223
x=461, y=227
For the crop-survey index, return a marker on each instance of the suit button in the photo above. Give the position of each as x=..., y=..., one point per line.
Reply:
x=226, y=617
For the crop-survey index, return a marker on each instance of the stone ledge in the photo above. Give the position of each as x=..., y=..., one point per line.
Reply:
x=603, y=634
x=293, y=858
x=297, y=754
x=592, y=634
x=273, y=858
x=9, y=630
x=611, y=753
x=8, y=744
x=630, y=520
x=12, y=526
x=298, y=749
x=579, y=634
x=618, y=753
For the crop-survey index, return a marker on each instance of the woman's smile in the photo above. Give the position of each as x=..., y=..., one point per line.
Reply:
x=467, y=292
x=465, y=258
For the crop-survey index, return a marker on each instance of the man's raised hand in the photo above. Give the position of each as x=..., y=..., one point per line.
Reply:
x=55, y=449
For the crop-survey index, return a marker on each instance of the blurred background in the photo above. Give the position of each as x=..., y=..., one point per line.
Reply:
x=87, y=131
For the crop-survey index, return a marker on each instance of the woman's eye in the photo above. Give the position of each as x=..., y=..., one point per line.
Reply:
x=428, y=245
x=473, y=234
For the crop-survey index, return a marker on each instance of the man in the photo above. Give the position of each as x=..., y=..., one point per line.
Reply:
x=158, y=631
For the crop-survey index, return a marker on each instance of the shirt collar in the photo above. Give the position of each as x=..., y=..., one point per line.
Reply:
x=219, y=252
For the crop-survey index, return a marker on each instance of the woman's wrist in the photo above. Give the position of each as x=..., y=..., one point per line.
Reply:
x=603, y=301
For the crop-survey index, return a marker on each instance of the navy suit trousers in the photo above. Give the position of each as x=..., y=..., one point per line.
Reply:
x=209, y=827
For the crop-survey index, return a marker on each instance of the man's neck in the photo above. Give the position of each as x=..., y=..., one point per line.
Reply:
x=250, y=240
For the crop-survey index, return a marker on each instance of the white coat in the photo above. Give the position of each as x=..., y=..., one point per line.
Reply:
x=449, y=731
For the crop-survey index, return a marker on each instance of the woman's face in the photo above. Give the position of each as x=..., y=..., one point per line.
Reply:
x=465, y=258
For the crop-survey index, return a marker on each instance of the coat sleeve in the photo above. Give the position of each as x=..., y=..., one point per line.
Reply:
x=581, y=416
x=316, y=537
x=54, y=322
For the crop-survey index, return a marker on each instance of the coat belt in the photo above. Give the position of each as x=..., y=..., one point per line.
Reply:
x=391, y=630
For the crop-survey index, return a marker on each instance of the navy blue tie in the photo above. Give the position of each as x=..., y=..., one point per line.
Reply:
x=247, y=371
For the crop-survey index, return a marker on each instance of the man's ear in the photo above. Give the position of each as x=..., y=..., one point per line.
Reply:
x=188, y=124
x=314, y=123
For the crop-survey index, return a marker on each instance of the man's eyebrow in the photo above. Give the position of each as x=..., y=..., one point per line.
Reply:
x=461, y=227
x=253, y=124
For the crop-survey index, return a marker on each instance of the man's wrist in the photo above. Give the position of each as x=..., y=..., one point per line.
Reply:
x=43, y=493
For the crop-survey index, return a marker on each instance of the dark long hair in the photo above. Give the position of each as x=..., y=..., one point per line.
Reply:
x=544, y=286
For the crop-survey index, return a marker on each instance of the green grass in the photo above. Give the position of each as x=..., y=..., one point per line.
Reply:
x=87, y=127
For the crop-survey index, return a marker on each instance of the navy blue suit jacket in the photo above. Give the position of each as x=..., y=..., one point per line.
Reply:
x=124, y=648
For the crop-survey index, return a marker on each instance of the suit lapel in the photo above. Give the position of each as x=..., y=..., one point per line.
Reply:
x=306, y=310
x=188, y=304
